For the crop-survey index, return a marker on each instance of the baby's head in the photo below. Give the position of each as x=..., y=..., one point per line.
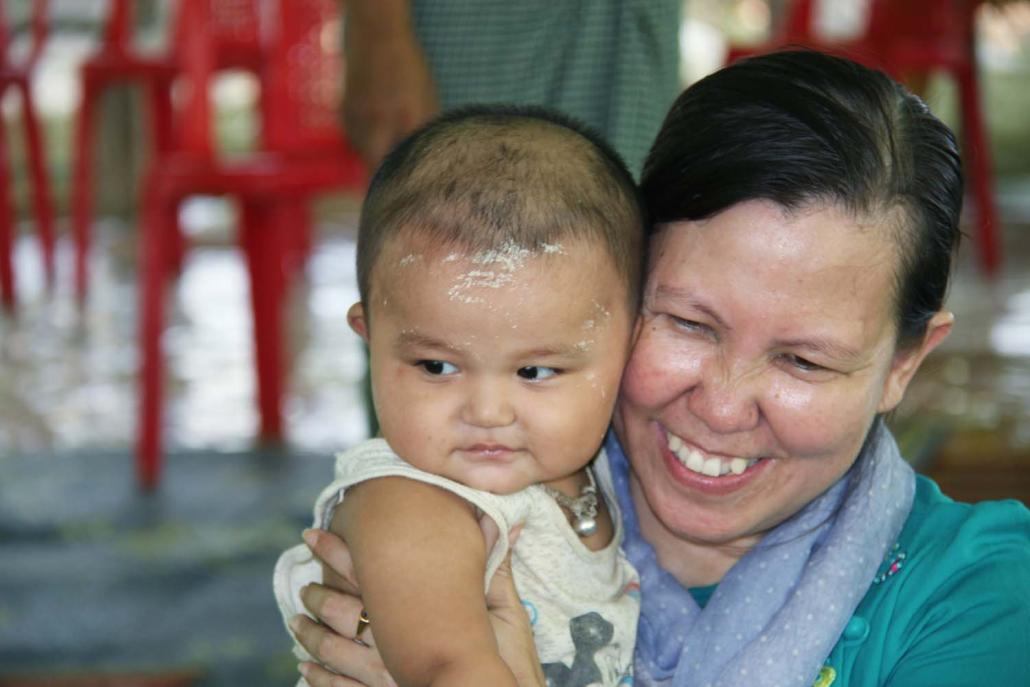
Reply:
x=499, y=262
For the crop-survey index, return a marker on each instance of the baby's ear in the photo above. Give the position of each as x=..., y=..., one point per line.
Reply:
x=357, y=320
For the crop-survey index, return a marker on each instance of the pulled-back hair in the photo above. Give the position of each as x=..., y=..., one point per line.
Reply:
x=490, y=177
x=800, y=127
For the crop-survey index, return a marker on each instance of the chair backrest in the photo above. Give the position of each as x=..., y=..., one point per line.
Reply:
x=923, y=33
x=302, y=86
x=208, y=36
x=894, y=30
x=922, y=19
x=117, y=33
x=37, y=27
x=299, y=69
x=234, y=28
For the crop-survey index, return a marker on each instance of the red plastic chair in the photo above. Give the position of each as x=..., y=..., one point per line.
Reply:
x=303, y=153
x=916, y=37
x=18, y=77
x=236, y=41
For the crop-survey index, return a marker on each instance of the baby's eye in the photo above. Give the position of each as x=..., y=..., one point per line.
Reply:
x=535, y=373
x=437, y=367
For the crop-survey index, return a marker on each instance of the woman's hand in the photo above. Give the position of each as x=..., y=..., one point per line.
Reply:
x=508, y=616
x=337, y=604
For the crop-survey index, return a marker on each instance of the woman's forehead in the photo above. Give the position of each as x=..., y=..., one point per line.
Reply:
x=811, y=237
x=819, y=261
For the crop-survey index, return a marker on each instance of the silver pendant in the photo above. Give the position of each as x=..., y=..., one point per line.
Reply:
x=583, y=508
x=584, y=527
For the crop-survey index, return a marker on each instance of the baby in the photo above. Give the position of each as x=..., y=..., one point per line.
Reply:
x=499, y=261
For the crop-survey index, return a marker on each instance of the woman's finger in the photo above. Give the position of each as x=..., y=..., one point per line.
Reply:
x=339, y=611
x=317, y=676
x=333, y=552
x=340, y=655
x=512, y=628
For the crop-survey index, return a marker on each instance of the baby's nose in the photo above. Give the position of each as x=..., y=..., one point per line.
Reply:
x=489, y=405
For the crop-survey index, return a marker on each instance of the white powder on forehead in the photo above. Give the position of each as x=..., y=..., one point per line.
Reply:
x=506, y=261
x=478, y=279
x=408, y=259
x=510, y=256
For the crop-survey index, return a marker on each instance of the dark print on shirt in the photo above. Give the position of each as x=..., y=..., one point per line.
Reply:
x=590, y=633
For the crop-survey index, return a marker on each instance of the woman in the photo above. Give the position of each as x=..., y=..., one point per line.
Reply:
x=805, y=217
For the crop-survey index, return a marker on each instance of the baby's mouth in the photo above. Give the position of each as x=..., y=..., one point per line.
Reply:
x=697, y=461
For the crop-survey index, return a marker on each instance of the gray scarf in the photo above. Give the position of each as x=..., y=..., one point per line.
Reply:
x=778, y=613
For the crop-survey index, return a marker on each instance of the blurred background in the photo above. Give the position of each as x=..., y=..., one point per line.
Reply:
x=139, y=552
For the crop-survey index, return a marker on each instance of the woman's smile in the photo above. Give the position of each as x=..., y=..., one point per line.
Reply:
x=706, y=462
x=705, y=472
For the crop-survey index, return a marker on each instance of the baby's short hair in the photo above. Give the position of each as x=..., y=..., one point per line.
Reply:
x=490, y=177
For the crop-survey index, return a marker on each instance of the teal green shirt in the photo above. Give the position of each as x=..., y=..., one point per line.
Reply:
x=949, y=607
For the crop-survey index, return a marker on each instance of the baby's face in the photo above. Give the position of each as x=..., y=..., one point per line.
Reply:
x=496, y=370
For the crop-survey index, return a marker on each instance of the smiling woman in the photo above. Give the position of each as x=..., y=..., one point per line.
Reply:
x=805, y=214
x=786, y=379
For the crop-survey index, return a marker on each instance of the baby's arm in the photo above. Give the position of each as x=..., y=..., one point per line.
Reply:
x=420, y=557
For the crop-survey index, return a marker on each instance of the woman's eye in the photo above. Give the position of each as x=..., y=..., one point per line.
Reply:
x=437, y=367
x=690, y=325
x=802, y=364
x=535, y=373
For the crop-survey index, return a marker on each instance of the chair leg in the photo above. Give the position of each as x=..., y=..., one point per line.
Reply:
x=153, y=271
x=82, y=187
x=7, y=233
x=159, y=100
x=160, y=120
x=41, y=197
x=978, y=165
x=268, y=252
x=297, y=211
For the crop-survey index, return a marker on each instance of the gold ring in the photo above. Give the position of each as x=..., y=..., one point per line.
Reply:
x=363, y=622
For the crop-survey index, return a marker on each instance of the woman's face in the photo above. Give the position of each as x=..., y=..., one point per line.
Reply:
x=766, y=348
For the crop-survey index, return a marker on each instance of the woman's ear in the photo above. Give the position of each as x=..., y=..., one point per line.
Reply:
x=357, y=320
x=908, y=360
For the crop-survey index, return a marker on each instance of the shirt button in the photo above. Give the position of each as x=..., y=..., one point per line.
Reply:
x=857, y=629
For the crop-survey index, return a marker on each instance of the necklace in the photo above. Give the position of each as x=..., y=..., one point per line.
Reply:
x=582, y=507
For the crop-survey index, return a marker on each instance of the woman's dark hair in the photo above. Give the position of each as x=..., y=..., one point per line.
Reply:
x=797, y=127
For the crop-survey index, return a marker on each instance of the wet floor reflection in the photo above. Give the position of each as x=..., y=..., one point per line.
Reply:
x=69, y=377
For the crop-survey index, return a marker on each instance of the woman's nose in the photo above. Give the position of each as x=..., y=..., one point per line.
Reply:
x=725, y=397
x=488, y=405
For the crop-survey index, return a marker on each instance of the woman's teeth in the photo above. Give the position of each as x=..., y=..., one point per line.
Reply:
x=693, y=459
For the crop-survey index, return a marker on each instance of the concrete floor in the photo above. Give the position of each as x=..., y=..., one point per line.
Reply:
x=99, y=579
